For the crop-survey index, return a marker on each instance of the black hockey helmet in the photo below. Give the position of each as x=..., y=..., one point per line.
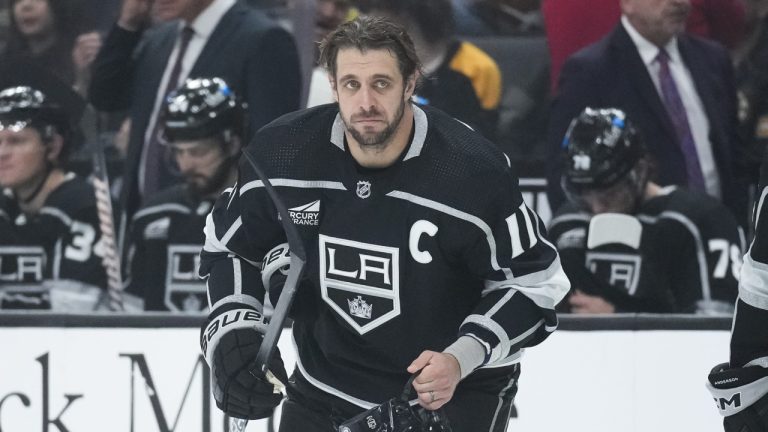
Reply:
x=601, y=148
x=22, y=107
x=202, y=108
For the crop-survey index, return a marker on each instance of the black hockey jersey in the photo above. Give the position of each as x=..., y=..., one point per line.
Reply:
x=163, y=257
x=59, y=243
x=400, y=260
x=688, y=259
x=749, y=340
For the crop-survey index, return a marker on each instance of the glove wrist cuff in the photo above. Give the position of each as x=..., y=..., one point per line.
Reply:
x=225, y=323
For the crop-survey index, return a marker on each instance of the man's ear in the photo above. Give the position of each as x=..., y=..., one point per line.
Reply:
x=410, y=85
x=54, y=147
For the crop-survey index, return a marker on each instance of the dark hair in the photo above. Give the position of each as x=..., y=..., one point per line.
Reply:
x=433, y=18
x=62, y=22
x=367, y=33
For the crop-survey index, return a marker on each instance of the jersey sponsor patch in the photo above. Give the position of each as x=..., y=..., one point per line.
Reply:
x=184, y=290
x=307, y=214
x=619, y=269
x=157, y=229
x=360, y=281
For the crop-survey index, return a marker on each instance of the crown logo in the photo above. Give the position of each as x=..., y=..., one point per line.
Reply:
x=359, y=308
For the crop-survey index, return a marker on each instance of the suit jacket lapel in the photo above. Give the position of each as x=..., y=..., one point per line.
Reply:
x=632, y=64
x=218, y=39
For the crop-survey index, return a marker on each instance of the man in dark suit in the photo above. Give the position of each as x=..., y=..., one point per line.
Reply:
x=678, y=88
x=138, y=66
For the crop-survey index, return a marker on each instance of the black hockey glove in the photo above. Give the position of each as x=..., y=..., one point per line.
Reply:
x=230, y=343
x=741, y=395
x=397, y=415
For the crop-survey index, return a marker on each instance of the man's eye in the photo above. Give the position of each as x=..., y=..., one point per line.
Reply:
x=381, y=84
x=351, y=84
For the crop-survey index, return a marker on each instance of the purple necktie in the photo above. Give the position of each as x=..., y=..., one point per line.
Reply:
x=677, y=114
x=155, y=150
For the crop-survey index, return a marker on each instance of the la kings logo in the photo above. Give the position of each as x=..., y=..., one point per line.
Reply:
x=619, y=269
x=360, y=281
x=184, y=290
x=21, y=264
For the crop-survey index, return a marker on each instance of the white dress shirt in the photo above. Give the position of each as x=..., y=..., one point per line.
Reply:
x=203, y=26
x=694, y=108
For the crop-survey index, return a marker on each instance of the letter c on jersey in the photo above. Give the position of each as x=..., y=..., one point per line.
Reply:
x=419, y=228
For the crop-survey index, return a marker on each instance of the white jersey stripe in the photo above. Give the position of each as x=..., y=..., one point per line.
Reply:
x=170, y=207
x=514, y=230
x=302, y=184
x=237, y=276
x=232, y=231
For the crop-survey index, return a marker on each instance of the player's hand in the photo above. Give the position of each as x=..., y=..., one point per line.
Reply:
x=134, y=14
x=231, y=354
x=587, y=304
x=741, y=395
x=440, y=374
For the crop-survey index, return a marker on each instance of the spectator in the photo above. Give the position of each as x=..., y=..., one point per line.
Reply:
x=651, y=249
x=459, y=78
x=328, y=15
x=574, y=24
x=752, y=81
x=679, y=90
x=42, y=36
x=49, y=229
x=138, y=67
x=203, y=126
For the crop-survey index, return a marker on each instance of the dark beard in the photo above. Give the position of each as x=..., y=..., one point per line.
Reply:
x=214, y=184
x=382, y=138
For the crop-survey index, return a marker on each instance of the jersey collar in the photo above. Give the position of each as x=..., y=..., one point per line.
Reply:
x=419, y=135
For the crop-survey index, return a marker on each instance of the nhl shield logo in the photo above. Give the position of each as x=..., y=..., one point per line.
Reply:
x=363, y=189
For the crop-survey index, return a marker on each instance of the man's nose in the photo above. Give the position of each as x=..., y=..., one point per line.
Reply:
x=367, y=99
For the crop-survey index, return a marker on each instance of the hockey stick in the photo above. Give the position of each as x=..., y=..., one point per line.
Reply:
x=296, y=270
x=111, y=259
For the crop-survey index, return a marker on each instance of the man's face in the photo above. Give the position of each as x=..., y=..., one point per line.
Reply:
x=328, y=15
x=371, y=93
x=200, y=162
x=167, y=10
x=22, y=157
x=657, y=20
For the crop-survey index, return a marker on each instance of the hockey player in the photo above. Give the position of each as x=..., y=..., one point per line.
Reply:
x=49, y=230
x=740, y=387
x=630, y=245
x=203, y=125
x=422, y=255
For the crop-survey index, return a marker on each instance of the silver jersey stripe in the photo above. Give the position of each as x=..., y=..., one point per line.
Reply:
x=760, y=204
x=421, y=126
x=505, y=417
x=571, y=217
x=53, y=211
x=700, y=255
x=434, y=205
x=170, y=207
x=302, y=184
